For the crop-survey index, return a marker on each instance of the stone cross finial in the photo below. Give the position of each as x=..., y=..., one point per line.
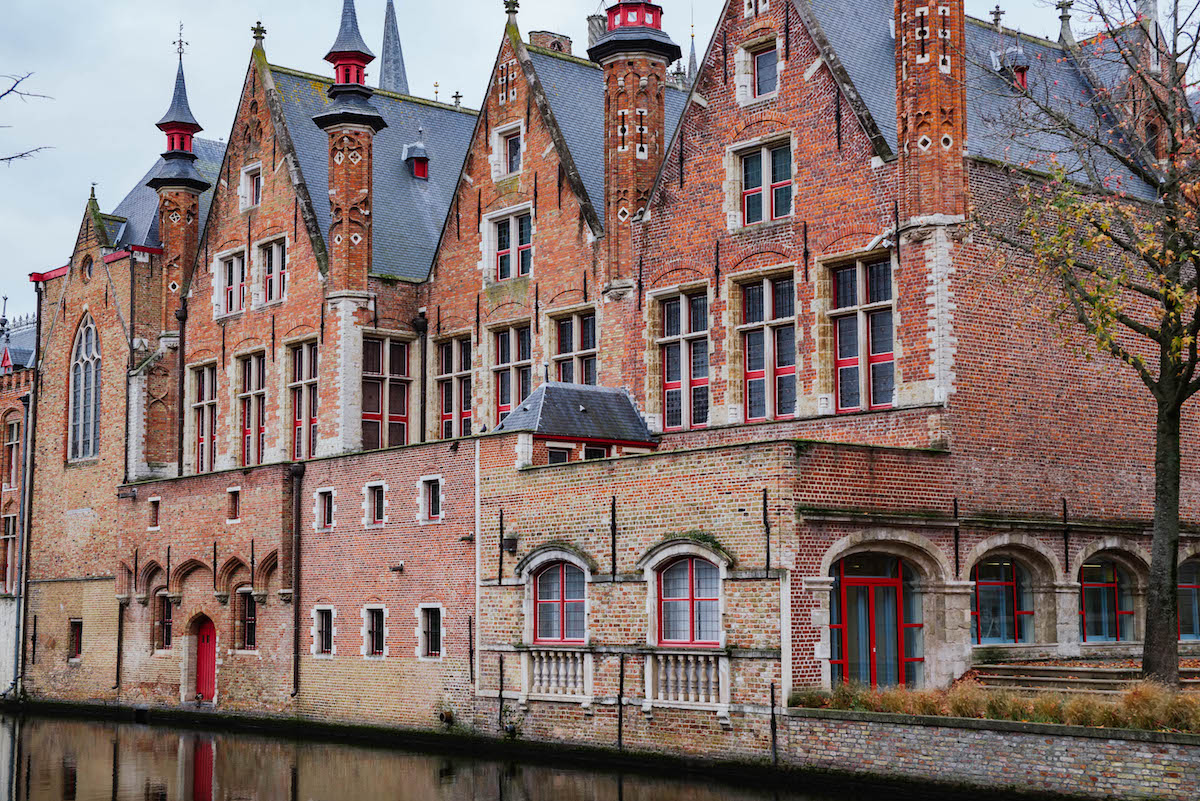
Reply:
x=457, y=98
x=259, y=32
x=1064, y=16
x=997, y=13
x=179, y=43
x=511, y=6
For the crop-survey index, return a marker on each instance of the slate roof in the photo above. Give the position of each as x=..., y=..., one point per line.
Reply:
x=579, y=411
x=575, y=90
x=408, y=212
x=864, y=44
x=349, y=40
x=21, y=343
x=392, y=75
x=140, y=206
x=179, y=112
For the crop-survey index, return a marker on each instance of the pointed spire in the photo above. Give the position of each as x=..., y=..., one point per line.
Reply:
x=392, y=75
x=349, y=40
x=179, y=115
x=692, y=69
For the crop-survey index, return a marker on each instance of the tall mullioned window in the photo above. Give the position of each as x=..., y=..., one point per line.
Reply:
x=303, y=389
x=575, y=351
x=769, y=348
x=384, y=393
x=862, y=320
x=766, y=183
x=454, y=387
x=683, y=346
x=253, y=401
x=204, y=416
x=85, y=392
x=513, y=369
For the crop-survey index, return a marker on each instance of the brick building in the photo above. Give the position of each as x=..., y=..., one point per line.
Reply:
x=640, y=388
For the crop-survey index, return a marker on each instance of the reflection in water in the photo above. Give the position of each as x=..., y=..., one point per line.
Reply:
x=55, y=760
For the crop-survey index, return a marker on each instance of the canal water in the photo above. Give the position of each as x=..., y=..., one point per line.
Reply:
x=64, y=760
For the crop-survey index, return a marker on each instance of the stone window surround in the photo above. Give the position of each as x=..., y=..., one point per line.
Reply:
x=189, y=423
x=733, y=180
x=529, y=568
x=433, y=396
x=256, y=273
x=317, y=493
x=498, y=160
x=734, y=360
x=153, y=499
x=243, y=189
x=364, y=648
x=488, y=243
x=492, y=354
x=419, y=632
x=743, y=67
x=655, y=411
x=229, y=491
x=368, y=504
x=216, y=269
x=236, y=601
x=662, y=556
x=755, y=7
x=313, y=631
x=423, y=513
x=550, y=338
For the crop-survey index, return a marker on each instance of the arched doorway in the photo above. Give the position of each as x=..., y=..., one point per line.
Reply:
x=876, y=623
x=206, y=659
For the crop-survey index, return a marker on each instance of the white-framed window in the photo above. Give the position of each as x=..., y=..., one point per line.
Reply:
x=513, y=235
x=510, y=144
x=430, y=499
x=429, y=631
x=233, y=512
x=273, y=257
x=558, y=454
x=324, y=632
x=233, y=283
x=575, y=348
x=768, y=335
x=862, y=317
x=375, y=504
x=512, y=369
x=252, y=404
x=766, y=183
x=251, y=186
x=596, y=452
x=766, y=71
x=8, y=555
x=204, y=416
x=385, y=387
x=12, y=453
x=374, y=631
x=303, y=391
x=85, y=392
x=683, y=348
x=324, y=509
x=454, y=387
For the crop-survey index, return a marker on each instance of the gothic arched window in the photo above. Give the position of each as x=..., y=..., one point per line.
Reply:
x=85, y=392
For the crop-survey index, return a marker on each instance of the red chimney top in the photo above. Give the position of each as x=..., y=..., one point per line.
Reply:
x=632, y=13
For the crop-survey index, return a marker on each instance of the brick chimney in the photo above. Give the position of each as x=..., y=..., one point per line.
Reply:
x=551, y=41
x=635, y=53
x=931, y=107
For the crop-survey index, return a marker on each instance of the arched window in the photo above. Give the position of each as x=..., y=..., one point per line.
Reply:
x=1106, y=602
x=1189, y=600
x=1003, y=608
x=876, y=622
x=85, y=392
x=689, y=609
x=560, y=604
x=86, y=268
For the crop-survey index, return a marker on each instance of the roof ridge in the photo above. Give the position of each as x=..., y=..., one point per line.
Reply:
x=545, y=51
x=1013, y=32
x=312, y=76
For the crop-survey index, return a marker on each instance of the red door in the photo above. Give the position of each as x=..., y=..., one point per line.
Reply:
x=206, y=660
x=202, y=768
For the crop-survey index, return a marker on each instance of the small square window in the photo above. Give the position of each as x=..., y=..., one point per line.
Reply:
x=558, y=455
x=235, y=505
x=75, y=642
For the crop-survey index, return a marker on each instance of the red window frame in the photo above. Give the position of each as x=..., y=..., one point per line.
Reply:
x=506, y=251
x=862, y=311
x=513, y=369
x=902, y=627
x=389, y=378
x=75, y=639
x=757, y=190
x=524, y=267
x=561, y=602
x=275, y=281
x=12, y=445
x=774, y=185
x=253, y=404
x=304, y=400
x=691, y=599
x=206, y=418
x=977, y=623
x=686, y=339
x=1115, y=587
x=8, y=547
x=768, y=327
x=235, y=283
x=421, y=168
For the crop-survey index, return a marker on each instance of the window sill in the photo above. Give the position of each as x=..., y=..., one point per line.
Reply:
x=75, y=660
x=244, y=209
x=756, y=100
x=231, y=520
x=325, y=657
x=431, y=521
x=233, y=315
x=429, y=659
x=765, y=225
x=375, y=526
x=375, y=657
x=240, y=652
x=153, y=528
x=163, y=651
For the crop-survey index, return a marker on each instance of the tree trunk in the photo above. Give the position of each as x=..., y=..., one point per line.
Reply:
x=1160, y=654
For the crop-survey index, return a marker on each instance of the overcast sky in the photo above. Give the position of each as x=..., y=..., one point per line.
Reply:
x=109, y=67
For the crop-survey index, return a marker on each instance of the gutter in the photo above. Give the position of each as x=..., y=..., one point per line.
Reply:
x=297, y=474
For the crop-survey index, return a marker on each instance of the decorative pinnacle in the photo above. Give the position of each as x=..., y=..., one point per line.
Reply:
x=457, y=98
x=511, y=6
x=435, y=90
x=1064, y=9
x=259, y=33
x=179, y=43
x=997, y=13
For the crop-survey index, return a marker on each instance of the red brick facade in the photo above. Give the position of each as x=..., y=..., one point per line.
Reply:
x=714, y=301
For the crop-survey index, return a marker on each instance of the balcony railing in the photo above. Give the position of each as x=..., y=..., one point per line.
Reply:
x=687, y=678
x=557, y=674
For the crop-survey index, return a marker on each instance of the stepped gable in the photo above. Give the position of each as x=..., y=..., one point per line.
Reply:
x=579, y=411
x=574, y=88
x=407, y=212
x=136, y=216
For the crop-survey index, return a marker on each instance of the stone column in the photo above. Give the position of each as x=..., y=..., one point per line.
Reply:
x=1066, y=614
x=821, y=589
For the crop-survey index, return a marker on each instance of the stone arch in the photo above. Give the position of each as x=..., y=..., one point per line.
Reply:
x=147, y=573
x=1035, y=553
x=229, y=572
x=544, y=555
x=917, y=549
x=263, y=570
x=180, y=573
x=1190, y=552
x=669, y=549
x=1130, y=556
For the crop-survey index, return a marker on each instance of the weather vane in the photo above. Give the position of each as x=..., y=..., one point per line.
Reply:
x=179, y=43
x=435, y=90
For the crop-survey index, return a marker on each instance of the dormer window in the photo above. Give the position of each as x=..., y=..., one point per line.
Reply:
x=251, y=188
x=420, y=168
x=1021, y=78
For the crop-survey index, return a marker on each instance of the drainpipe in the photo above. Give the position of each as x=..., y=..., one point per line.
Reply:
x=181, y=315
x=421, y=324
x=297, y=473
x=22, y=514
x=27, y=488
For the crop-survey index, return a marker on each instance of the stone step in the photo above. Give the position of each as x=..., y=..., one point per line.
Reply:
x=1074, y=691
x=1082, y=671
x=1053, y=682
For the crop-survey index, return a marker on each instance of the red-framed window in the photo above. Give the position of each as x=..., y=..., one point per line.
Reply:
x=689, y=605
x=768, y=331
x=12, y=453
x=303, y=390
x=560, y=589
x=375, y=631
x=1002, y=611
x=166, y=615
x=421, y=168
x=766, y=71
x=1105, y=602
x=274, y=261
x=575, y=348
x=324, y=631
x=510, y=249
x=431, y=491
x=375, y=497
x=512, y=369
x=325, y=509
x=234, y=274
x=864, y=361
x=683, y=349
x=253, y=402
x=876, y=622
x=772, y=201
x=75, y=639
x=204, y=416
x=385, y=389
x=8, y=554
x=454, y=387
x=248, y=620
x=1189, y=600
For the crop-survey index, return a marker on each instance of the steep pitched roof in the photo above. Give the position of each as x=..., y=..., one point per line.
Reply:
x=392, y=75
x=408, y=212
x=574, y=88
x=21, y=342
x=139, y=208
x=579, y=411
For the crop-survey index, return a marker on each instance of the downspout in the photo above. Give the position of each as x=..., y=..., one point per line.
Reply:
x=27, y=489
x=128, y=374
x=297, y=473
x=181, y=315
x=22, y=514
x=421, y=324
